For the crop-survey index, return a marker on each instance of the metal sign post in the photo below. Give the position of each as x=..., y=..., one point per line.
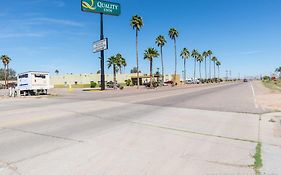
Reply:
x=102, y=55
x=101, y=7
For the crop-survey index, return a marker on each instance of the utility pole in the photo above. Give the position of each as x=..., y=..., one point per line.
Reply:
x=226, y=74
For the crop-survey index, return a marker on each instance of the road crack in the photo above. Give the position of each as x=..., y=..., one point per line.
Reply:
x=45, y=135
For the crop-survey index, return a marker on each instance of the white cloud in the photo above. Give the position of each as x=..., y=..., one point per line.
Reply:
x=252, y=52
x=20, y=35
x=54, y=21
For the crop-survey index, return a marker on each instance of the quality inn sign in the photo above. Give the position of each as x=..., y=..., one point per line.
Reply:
x=99, y=6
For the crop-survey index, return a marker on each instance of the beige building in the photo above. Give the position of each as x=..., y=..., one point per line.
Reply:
x=81, y=79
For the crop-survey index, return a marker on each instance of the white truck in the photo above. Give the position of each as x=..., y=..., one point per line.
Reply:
x=33, y=83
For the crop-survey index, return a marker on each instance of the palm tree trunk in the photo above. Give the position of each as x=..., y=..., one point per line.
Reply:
x=214, y=69
x=5, y=75
x=205, y=68
x=114, y=77
x=151, y=73
x=194, y=75
x=200, y=70
x=175, y=45
x=218, y=72
x=137, y=57
x=162, y=61
x=184, y=64
x=210, y=67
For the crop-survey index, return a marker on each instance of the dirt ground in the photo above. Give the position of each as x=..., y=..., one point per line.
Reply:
x=267, y=98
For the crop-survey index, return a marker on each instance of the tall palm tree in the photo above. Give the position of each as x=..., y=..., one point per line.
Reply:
x=137, y=23
x=173, y=34
x=205, y=55
x=161, y=41
x=6, y=61
x=150, y=54
x=185, y=54
x=113, y=62
x=214, y=59
x=194, y=54
x=218, y=63
x=210, y=53
x=200, y=60
x=57, y=71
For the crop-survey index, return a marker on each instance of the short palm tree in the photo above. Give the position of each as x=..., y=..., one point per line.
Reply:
x=57, y=71
x=161, y=41
x=200, y=60
x=278, y=70
x=6, y=61
x=137, y=23
x=214, y=59
x=122, y=62
x=185, y=54
x=218, y=63
x=150, y=54
x=113, y=62
x=173, y=34
x=210, y=53
x=194, y=54
x=205, y=55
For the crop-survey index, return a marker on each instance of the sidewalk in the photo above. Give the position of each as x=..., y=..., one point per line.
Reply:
x=270, y=137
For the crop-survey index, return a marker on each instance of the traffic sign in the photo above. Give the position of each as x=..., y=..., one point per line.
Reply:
x=99, y=6
x=100, y=45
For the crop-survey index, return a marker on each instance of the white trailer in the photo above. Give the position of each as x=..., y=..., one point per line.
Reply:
x=33, y=83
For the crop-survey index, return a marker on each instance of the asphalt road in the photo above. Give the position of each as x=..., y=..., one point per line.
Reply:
x=177, y=131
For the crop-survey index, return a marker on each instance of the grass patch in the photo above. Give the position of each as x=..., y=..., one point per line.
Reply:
x=275, y=85
x=258, y=159
x=73, y=86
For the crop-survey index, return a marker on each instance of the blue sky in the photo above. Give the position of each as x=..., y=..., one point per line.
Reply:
x=54, y=34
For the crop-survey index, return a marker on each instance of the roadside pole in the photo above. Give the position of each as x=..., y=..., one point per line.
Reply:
x=103, y=8
x=102, y=54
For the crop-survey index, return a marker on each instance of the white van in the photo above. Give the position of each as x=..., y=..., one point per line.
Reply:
x=33, y=83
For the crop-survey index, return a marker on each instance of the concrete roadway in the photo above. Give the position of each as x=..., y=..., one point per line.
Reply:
x=169, y=131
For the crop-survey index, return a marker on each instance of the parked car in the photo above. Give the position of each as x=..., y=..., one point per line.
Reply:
x=110, y=84
x=245, y=80
x=192, y=81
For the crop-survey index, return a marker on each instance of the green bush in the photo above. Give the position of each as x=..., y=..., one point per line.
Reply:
x=93, y=84
x=266, y=78
x=128, y=82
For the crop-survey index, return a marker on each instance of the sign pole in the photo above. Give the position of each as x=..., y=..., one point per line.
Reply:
x=102, y=54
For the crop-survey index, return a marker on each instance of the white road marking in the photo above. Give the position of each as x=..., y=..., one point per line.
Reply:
x=254, y=95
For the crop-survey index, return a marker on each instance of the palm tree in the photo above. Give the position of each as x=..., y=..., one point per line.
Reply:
x=185, y=54
x=205, y=55
x=218, y=63
x=210, y=53
x=113, y=62
x=137, y=23
x=200, y=59
x=57, y=71
x=194, y=54
x=278, y=70
x=6, y=60
x=173, y=33
x=150, y=54
x=214, y=59
x=121, y=62
x=161, y=41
